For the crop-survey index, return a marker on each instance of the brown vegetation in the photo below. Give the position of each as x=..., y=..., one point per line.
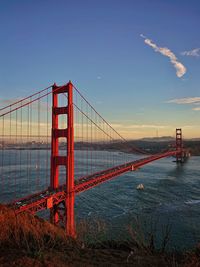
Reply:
x=27, y=240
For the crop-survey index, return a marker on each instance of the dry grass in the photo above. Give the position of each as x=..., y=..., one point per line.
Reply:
x=27, y=240
x=27, y=232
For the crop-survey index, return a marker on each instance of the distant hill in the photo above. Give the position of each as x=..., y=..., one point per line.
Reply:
x=165, y=139
x=193, y=139
x=158, y=139
x=150, y=145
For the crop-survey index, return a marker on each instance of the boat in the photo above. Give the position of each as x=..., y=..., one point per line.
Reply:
x=140, y=187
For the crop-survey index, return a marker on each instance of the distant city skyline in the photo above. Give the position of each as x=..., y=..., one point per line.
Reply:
x=137, y=62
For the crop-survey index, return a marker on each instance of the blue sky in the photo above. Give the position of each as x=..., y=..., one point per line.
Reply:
x=98, y=45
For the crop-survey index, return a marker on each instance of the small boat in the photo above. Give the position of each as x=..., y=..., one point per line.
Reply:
x=140, y=187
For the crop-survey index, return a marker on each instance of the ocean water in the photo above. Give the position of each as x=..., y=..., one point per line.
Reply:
x=171, y=196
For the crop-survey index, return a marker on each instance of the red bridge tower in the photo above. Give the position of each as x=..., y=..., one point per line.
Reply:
x=179, y=146
x=67, y=160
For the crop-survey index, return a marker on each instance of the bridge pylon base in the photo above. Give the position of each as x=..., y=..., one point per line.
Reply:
x=63, y=216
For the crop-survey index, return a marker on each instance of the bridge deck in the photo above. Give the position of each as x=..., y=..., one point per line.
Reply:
x=38, y=202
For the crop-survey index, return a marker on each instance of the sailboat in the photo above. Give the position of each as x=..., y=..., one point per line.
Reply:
x=140, y=187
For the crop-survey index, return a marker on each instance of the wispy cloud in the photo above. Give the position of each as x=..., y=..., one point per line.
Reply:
x=180, y=68
x=139, y=126
x=196, y=109
x=192, y=53
x=148, y=126
x=185, y=100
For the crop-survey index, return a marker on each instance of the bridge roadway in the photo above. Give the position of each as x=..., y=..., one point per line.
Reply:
x=45, y=199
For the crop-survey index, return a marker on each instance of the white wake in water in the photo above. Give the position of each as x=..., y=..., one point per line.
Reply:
x=192, y=202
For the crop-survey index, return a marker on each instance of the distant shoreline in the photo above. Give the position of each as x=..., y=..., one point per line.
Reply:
x=152, y=147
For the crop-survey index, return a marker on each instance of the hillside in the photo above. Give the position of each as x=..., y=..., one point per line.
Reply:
x=26, y=240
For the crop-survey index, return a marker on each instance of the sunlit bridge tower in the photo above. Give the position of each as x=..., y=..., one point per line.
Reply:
x=179, y=146
x=63, y=212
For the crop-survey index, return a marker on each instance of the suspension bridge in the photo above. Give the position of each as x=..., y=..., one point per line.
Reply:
x=55, y=145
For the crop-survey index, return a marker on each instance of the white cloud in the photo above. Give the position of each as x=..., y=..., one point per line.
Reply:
x=138, y=126
x=116, y=125
x=142, y=35
x=180, y=68
x=186, y=100
x=149, y=126
x=196, y=109
x=192, y=53
x=189, y=126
